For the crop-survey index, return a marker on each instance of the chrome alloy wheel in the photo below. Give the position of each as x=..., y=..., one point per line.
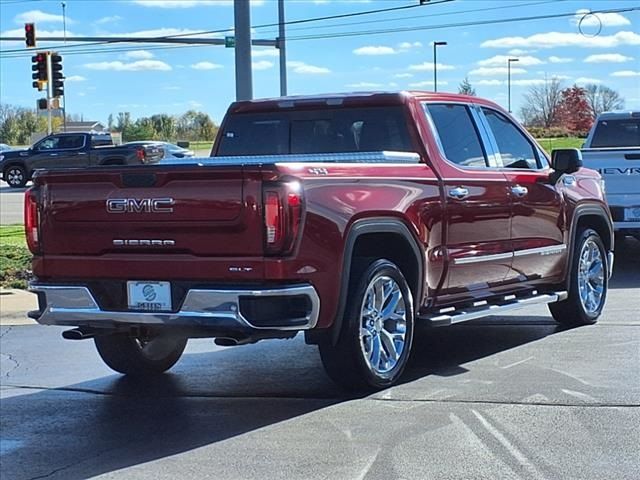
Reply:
x=591, y=276
x=15, y=176
x=383, y=325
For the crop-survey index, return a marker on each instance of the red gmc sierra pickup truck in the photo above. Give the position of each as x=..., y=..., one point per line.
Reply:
x=347, y=217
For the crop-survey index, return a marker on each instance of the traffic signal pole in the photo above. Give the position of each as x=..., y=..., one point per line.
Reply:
x=49, y=93
x=242, y=26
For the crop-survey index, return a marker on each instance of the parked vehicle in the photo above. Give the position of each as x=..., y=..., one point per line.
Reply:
x=349, y=218
x=170, y=150
x=613, y=149
x=72, y=150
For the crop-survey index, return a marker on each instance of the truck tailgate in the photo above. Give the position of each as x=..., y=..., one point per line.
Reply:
x=201, y=211
x=619, y=167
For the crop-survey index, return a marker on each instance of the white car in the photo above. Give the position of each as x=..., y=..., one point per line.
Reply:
x=613, y=148
x=170, y=150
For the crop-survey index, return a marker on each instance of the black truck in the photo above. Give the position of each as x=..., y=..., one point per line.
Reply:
x=72, y=150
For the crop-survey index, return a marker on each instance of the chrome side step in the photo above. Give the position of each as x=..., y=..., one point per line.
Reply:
x=450, y=315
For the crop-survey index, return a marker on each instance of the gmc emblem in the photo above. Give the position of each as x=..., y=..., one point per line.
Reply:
x=140, y=205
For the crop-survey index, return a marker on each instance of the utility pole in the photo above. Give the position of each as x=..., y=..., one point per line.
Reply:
x=242, y=26
x=509, y=82
x=282, y=47
x=435, y=64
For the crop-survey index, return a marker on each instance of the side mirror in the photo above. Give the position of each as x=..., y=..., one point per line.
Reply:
x=566, y=160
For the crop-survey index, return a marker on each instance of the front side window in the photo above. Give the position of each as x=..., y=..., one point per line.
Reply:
x=50, y=143
x=514, y=147
x=458, y=135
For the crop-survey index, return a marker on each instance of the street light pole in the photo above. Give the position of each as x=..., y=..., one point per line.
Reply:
x=509, y=82
x=435, y=64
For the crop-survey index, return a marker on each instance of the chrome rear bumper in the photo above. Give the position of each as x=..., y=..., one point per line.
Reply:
x=73, y=305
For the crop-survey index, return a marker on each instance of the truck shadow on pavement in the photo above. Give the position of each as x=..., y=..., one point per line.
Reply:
x=626, y=266
x=114, y=422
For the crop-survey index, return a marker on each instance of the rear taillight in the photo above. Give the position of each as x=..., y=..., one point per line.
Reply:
x=32, y=220
x=283, y=209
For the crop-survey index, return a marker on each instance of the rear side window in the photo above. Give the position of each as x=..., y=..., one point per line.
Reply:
x=617, y=133
x=331, y=130
x=71, y=141
x=458, y=135
x=515, y=149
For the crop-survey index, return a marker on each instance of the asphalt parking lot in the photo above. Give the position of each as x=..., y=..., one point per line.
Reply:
x=505, y=397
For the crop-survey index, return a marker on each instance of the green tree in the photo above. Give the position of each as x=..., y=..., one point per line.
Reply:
x=466, y=88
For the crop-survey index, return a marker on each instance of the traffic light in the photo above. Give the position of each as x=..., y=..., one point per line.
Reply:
x=39, y=68
x=30, y=35
x=58, y=77
x=42, y=104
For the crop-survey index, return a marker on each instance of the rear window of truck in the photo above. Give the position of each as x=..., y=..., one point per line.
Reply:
x=616, y=133
x=370, y=129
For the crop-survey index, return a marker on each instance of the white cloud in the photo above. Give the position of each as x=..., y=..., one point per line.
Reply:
x=500, y=60
x=190, y=3
x=409, y=45
x=490, y=83
x=427, y=83
x=111, y=19
x=137, y=66
x=306, y=69
x=599, y=19
x=554, y=59
x=206, y=66
x=586, y=80
x=364, y=85
x=165, y=32
x=38, y=16
x=74, y=78
x=517, y=51
x=393, y=84
x=194, y=104
x=264, y=52
x=403, y=75
x=626, y=73
x=558, y=39
x=428, y=67
x=261, y=65
x=375, y=50
x=139, y=55
x=488, y=71
x=607, y=58
x=82, y=94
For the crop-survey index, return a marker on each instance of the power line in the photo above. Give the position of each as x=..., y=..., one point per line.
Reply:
x=22, y=53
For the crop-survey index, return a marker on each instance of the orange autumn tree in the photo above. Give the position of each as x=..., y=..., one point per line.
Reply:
x=574, y=112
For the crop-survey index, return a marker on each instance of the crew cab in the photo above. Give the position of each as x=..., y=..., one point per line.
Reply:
x=613, y=149
x=67, y=150
x=350, y=218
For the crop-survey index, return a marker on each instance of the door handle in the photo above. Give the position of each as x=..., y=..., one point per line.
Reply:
x=519, y=191
x=53, y=154
x=458, y=193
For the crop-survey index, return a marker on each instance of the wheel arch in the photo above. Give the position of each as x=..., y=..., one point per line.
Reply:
x=592, y=216
x=16, y=163
x=361, y=240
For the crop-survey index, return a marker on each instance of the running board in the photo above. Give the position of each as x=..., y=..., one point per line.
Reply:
x=450, y=315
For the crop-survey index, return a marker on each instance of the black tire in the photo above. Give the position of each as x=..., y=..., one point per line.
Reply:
x=575, y=311
x=15, y=176
x=136, y=357
x=347, y=362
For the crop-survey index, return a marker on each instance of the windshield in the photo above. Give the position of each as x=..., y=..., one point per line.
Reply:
x=316, y=131
x=617, y=133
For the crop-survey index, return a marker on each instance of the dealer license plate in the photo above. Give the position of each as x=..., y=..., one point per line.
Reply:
x=150, y=296
x=632, y=214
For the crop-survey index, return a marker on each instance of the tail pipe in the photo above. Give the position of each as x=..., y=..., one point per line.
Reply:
x=78, y=334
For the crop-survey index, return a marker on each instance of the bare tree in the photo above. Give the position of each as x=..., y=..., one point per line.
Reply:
x=541, y=103
x=602, y=99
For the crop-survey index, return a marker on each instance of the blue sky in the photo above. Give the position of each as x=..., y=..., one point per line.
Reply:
x=146, y=79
